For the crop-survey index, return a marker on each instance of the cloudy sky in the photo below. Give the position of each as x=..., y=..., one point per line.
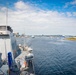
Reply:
x=40, y=16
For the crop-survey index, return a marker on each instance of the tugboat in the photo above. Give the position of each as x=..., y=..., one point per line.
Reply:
x=11, y=62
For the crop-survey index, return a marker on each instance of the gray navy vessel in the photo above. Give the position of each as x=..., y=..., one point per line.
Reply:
x=11, y=61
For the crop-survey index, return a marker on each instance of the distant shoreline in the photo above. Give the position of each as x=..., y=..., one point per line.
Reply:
x=71, y=38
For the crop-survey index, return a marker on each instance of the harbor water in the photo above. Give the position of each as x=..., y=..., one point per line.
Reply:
x=53, y=56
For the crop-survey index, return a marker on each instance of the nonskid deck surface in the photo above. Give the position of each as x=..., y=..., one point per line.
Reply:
x=29, y=71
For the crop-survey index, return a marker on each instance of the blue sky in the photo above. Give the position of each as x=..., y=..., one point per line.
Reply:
x=40, y=16
x=44, y=4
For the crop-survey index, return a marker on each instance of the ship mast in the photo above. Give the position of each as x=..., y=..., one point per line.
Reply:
x=6, y=30
x=24, y=36
x=6, y=15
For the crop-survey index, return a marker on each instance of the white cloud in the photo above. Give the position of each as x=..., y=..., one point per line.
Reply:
x=74, y=13
x=73, y=3
x=69, y=14
x=70, y=3
x=21, y=5
x=32, y=20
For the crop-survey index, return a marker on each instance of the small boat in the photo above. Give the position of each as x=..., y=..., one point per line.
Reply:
x=33, y=36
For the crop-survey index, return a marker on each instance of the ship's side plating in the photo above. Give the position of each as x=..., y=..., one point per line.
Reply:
x=7, y=42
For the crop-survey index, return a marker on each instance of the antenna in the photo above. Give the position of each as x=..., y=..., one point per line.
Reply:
x=6, y=29
x=24, y=36
x=6, y=15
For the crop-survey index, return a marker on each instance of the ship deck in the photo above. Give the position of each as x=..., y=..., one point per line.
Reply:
x=29, y=71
